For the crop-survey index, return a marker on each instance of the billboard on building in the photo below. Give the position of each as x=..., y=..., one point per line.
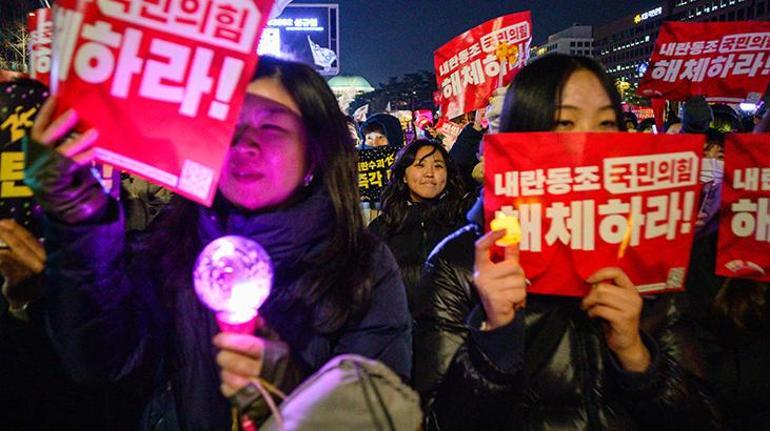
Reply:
x=307, y=33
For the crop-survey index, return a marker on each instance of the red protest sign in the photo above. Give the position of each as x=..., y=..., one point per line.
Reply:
x=162, y=81
x=449, y=130
x=591, y=200
x=469, y=67
x=723, y=60
x=40, y=27
x=743, y=248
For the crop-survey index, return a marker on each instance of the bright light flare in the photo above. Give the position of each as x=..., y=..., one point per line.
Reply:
x=233, y=276
x=748, y=107
x=512, y=228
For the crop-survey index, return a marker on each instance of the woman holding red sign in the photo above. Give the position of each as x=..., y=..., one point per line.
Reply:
x=490, y=356
x=124, y=310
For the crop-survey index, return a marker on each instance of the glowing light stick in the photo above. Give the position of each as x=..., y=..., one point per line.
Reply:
x=512, y=229
x=233, y=276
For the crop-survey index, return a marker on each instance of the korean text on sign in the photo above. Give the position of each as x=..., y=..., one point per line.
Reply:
x=743, y=248
x=726, y=60
x=186, y=61
x=40, y=27
x=374, y=171
x=468, y=68
x=619, y=209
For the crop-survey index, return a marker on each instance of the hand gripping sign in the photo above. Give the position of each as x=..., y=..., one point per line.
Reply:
x=590, y=200
x=162, y=81
x=724, y=60
x=743, y=248
x=472, y=65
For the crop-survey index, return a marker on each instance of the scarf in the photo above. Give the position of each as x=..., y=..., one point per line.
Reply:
x=290, y=235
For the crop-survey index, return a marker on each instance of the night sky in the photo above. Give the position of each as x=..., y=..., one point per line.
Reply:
x=383, y=38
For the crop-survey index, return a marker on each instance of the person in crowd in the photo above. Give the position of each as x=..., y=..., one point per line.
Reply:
x=696, y=115
x=423, y=202
x=36, y=392
x=382, y=130
x=726, y=119
x=631, y=121
x=731, y=315
x=490, y=356
x=466, y=151
x=673, y=126
x=698, y=118
x=125, y=310
x=646, y=126
x=353, y=129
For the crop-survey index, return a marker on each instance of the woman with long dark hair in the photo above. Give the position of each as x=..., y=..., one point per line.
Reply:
x=423, y=202
x=126, y=312
x=490, y=356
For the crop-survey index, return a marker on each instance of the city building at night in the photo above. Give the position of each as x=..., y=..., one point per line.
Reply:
x=625, y=45
x=575, y=40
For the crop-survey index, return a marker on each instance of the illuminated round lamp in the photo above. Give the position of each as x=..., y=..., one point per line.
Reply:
x=233, y=276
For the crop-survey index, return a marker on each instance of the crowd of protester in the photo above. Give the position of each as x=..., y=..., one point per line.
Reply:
x=101, y=328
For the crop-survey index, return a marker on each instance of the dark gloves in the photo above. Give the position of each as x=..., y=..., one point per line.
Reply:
x=65, y=190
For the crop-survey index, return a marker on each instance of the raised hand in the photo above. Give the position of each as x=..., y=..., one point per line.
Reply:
x=614, y=298
x=23, y=258
x=501, y=285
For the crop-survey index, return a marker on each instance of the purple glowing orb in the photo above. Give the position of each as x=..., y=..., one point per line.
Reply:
x=233, y=276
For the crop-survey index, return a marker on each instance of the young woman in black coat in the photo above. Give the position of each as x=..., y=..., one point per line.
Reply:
x=423, y=202
x=124, y=311
x=490, y=356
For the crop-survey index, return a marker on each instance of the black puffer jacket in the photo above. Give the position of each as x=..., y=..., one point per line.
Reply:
x=548, y=369
x=413, y=241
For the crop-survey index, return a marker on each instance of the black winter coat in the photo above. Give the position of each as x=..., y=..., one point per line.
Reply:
x=736, y=359
x=413, y=241
x=111, y=322
x=464, y=153
x=548, y=369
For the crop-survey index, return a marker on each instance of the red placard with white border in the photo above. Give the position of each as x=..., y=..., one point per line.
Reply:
x=468, y=69
x=743, y=248
x=162, y=81
x=591, y=200
x=727, y=61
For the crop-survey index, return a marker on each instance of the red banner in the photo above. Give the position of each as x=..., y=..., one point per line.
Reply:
x=162, y=81
x=469, y=67
x=591, y=200
x=40, y=27
x=722, y=60
x=744, y=224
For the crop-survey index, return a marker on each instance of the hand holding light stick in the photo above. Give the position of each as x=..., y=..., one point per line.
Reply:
x=233, y=276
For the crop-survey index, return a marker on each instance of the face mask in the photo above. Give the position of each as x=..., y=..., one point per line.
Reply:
x=711, y=176
x=712, y=170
